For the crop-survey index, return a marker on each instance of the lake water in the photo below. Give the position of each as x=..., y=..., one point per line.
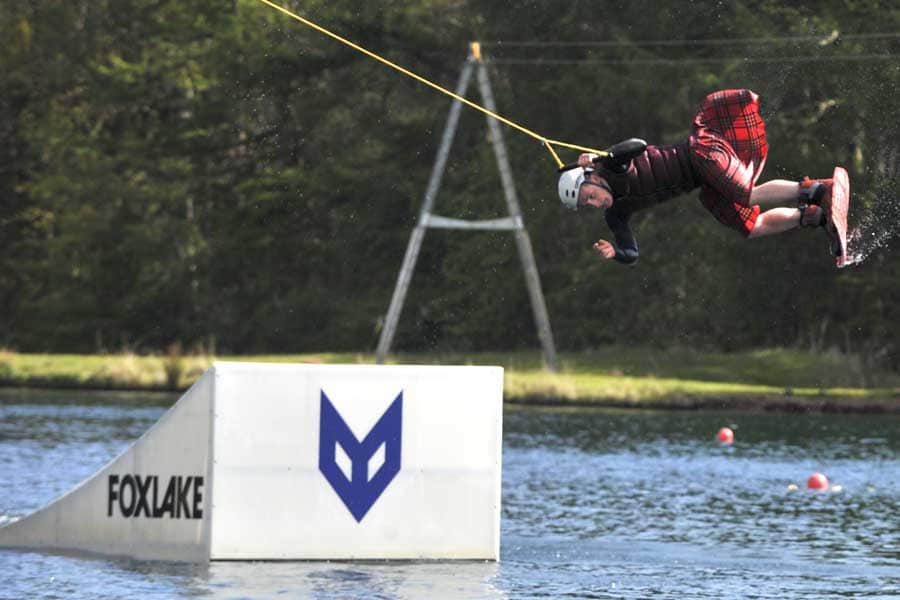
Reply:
x=596, y=504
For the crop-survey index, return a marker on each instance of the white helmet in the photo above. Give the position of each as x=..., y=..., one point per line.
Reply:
x=569, y=183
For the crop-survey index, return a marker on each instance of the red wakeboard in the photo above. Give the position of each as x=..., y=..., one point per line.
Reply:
x=837, y=215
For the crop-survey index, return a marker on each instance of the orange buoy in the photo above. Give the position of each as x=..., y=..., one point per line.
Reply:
x=817, y=481
x=725, y=435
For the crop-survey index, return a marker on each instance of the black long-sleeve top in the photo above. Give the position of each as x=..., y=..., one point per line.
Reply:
x=656, y=175
x=626, y=244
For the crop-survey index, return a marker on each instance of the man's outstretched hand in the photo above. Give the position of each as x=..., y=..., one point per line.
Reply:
x=605, y=249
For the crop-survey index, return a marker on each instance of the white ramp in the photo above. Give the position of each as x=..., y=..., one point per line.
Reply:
x=276, y=462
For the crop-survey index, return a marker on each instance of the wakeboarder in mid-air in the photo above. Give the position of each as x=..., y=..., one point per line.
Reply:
x=724, y=156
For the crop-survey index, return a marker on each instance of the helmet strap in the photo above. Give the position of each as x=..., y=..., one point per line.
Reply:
x=599, y=184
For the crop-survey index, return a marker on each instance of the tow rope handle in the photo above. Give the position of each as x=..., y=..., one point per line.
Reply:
x=575, y=165
x=620, y=153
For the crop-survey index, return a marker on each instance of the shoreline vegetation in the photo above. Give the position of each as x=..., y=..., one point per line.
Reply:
x=774, y=379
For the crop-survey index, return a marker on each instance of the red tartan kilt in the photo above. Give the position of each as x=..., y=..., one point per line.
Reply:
x=731, y=214
x=728, y=153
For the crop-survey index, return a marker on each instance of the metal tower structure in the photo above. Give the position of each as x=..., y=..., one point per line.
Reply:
x=513, y=222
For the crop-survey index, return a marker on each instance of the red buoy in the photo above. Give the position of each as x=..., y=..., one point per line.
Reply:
x=725, y=435
x=817, y=481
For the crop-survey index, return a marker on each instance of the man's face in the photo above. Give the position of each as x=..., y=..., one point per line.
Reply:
x=592, y=194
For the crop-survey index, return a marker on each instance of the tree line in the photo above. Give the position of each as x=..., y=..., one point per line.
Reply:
x=214, y=173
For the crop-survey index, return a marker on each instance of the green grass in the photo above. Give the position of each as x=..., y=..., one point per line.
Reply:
x=652, y=377
x=112, y=371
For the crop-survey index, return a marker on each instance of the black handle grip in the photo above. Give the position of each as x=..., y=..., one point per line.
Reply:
x=575, y=165
x=623, y=151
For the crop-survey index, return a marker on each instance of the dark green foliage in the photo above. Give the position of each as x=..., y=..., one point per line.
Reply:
x=215, y=173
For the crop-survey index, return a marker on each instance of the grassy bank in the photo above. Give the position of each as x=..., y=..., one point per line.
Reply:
x=770, y=379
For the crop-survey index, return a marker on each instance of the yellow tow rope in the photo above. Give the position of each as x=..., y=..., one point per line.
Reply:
x=547, y=143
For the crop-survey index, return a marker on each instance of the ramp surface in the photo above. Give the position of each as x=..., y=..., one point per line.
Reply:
x=273, y=461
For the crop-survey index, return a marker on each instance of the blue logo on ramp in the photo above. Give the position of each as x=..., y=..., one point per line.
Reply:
x=361, y=491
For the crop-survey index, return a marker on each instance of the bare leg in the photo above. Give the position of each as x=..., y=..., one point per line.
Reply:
x=775, y=221
x=776, y=191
